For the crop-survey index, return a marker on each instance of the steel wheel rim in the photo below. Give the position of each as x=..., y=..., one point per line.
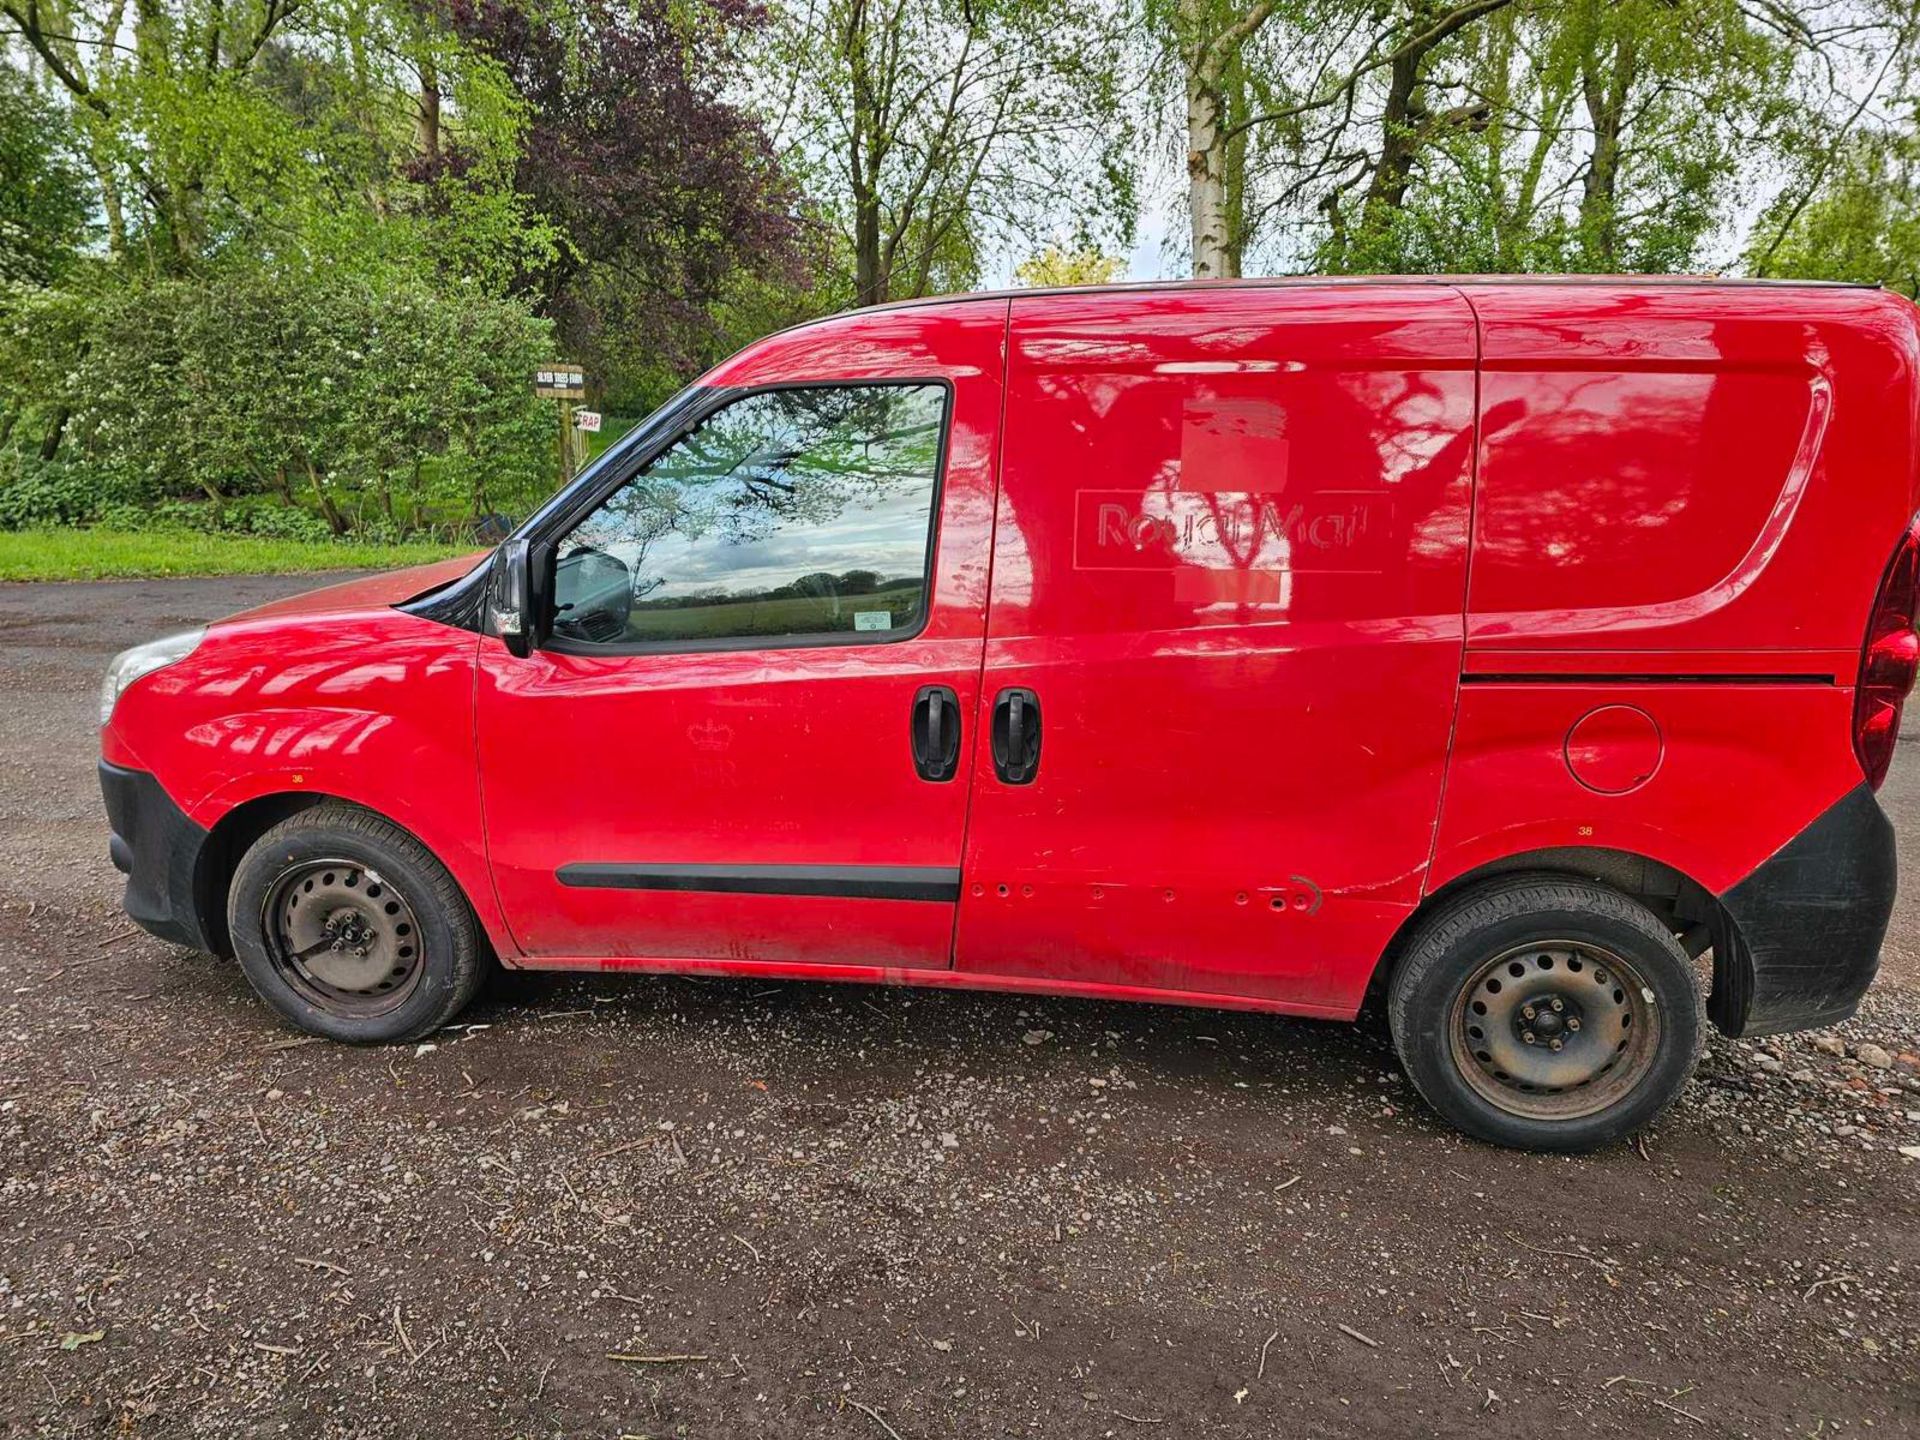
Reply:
x=343, y=937
x=1513, y=1009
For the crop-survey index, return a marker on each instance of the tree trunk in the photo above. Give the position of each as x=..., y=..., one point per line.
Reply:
x=1210, y=50
x=109, y=197
x=56, y=432
x=1236, y=111
x=869, y=277
x=328, y=510
x=1606, y=97
x=865, y=154
x=275, y=481
x=1214, y=254
x=1399, y=140
x=1213, y=249
x=426, y=123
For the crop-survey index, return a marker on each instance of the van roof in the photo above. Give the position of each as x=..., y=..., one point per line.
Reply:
x=1150, y=287
x=1651, y=283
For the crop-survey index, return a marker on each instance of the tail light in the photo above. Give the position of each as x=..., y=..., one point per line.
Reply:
x=1890, y=661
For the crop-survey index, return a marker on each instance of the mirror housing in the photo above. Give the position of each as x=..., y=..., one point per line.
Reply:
x=510, y=597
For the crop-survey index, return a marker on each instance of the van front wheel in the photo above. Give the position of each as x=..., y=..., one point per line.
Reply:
x=1546, y=1013
x=351, y=929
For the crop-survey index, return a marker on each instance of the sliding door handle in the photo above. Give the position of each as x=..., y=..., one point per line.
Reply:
x=1016, y=736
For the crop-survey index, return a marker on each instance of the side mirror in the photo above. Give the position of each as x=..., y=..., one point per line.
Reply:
x=510, y=597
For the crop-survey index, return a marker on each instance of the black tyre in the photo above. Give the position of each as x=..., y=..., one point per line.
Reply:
x=347, y=926
x=1546, y=1013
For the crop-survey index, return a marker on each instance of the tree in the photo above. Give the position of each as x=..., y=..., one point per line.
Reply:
x=1847, y=209
x=258, y=131
x=1864, y=221
x=657, y=190
x=931, y=128
x=1283, y=95
x=1609, y=137
x=153, y=112
x=1054, y=266
x=1397, y=135
x=1211, y=38
x=44, y=208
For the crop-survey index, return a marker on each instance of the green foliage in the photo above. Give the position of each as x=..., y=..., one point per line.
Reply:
x=1055, y=266
x=43, y=199
x=60, y=492
x=1862, y=222
x=929, y=132
x=382, y=408
x=1583, y=135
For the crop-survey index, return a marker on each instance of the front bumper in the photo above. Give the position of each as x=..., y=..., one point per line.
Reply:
x=1805, y=928
x=158, y=849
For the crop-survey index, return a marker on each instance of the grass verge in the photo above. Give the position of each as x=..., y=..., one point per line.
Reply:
x=137, y=554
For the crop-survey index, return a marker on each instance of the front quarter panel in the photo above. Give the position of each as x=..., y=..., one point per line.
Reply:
x=373, y=707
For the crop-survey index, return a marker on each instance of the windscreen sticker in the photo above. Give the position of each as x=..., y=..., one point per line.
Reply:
x=873, y=619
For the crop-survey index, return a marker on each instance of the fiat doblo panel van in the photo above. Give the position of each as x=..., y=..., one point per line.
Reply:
x=1520, y=658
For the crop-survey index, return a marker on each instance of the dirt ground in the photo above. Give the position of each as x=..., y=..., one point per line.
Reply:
x=673, y=1208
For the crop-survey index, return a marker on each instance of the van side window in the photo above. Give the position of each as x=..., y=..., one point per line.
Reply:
x=788, y=513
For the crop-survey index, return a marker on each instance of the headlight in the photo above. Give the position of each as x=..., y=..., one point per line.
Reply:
x=129, y=665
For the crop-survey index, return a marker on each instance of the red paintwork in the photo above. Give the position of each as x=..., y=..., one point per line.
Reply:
x=1242, y=541
x=369, y=592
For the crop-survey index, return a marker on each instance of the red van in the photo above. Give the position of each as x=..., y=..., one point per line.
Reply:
x=1489, y=651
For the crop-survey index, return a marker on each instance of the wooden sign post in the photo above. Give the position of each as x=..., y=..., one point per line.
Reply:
x=565, y=383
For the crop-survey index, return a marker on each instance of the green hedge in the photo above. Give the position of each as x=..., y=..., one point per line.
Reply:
x=292, y=405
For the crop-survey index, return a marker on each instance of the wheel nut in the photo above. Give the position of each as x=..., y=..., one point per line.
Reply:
x=1573, y=1022
x=1527, y=1035
x=1556, y=1044
x=1527, y=1011
x=1558, y=1003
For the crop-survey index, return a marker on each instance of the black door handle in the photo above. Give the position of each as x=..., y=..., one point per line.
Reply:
x=1016, y=736
x=934, y=729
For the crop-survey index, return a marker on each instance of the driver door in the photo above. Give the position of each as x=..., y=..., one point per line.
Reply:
x=712, y=757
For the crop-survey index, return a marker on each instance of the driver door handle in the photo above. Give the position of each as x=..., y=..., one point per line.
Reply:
x=934, y=730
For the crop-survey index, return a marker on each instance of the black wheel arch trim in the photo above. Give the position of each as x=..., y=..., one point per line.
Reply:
x=1799, y=941
x=154, y=843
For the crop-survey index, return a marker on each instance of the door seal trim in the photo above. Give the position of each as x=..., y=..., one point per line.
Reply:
x=847, y=882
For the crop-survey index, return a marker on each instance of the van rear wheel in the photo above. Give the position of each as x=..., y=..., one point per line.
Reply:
x=349, y=927
x=1546, y=1013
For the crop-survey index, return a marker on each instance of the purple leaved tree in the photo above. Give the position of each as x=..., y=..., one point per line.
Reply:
x=659, y=188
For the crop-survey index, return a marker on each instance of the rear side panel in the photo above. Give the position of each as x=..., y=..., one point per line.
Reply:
x=1685, y=502
x=1693, y=472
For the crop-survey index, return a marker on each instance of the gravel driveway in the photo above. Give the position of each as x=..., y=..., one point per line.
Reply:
x=697, y=1208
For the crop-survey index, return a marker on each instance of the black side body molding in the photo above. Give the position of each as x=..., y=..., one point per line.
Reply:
x=1804, y=941
x=157, y=848
x=849, y=882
